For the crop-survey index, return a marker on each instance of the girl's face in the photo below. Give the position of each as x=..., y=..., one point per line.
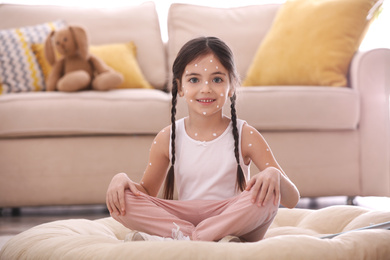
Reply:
x=205, y=85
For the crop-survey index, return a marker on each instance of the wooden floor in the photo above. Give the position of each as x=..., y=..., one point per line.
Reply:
x=11, y=225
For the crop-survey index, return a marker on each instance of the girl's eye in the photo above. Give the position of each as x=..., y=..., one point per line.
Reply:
x=193, y=80
x=217, y=80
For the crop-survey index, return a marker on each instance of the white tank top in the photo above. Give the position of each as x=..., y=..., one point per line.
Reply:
x=207, y=170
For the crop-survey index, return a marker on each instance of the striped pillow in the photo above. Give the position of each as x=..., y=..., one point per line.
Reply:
x=19, y=69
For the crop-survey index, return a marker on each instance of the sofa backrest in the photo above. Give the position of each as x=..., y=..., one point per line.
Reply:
x=242, y=28
x=137, y=23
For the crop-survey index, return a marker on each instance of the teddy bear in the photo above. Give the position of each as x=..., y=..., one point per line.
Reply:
x=76, y=69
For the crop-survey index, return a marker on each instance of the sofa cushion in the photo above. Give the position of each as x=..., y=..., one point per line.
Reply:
x=127, y=111
x=299, y=108
x=250, y=24
x=311, y=42
x=289, y=108
x=19, y=68
x=137, y=23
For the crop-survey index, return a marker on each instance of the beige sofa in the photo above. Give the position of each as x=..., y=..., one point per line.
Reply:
x=63, y=148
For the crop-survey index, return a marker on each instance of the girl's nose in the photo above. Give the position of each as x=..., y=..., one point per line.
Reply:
x=205, y=87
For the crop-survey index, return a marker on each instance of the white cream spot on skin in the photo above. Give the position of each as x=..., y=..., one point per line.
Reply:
x=217, y=106
x=266, y=164
x=204, y=113
x=222, y=95
x=196, y=65
x=211, y=60
x=196, y=134
x=216, y=67
x=191, y=100
x=163, y=130
x=214, y=134
x=206, y=82
x=205, y=69
x=250, y=145
x=267, y=150
x=155, y=142
x=142, y=183
x=251, y=132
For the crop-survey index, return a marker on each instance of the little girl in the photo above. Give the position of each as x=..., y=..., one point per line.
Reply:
x=210, y=155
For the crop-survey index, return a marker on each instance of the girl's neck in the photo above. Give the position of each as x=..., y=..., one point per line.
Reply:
x=206, y=128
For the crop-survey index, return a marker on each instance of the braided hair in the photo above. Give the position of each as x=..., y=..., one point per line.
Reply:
x=190, y=51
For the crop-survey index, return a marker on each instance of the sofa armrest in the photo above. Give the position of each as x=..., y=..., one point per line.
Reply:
x=370, y=76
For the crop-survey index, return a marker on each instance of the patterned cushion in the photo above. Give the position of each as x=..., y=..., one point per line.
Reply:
x=19, y=69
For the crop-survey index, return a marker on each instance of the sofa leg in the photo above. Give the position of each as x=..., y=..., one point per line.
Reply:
x=351, y=200
x=15, y=212
x=313, y=204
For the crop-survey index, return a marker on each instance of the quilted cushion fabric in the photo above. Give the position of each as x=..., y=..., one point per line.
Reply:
x=293, y=235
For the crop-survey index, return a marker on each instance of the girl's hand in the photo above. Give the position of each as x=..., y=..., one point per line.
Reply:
x=115, y=196
x=264, y=185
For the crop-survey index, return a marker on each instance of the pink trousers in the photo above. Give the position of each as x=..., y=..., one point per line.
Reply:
x=205, y=220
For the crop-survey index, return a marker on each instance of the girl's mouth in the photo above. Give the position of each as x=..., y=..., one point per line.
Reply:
x=205, y=101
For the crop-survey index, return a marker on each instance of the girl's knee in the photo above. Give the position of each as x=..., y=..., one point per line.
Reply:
x=130, y=195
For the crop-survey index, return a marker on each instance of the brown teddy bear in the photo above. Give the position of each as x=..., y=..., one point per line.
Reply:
x=77, y=69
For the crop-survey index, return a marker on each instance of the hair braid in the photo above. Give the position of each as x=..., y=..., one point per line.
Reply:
x=170, y=179
x=240, y=184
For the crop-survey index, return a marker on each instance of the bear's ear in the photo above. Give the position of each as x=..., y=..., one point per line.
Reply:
x=81, y=39
x=49, y=50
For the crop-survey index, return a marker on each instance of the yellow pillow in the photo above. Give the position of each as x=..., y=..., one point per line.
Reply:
x=120, y=57
x=311, y=42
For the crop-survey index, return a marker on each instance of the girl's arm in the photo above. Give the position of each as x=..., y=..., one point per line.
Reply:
x=271, y=180
x=151, y=181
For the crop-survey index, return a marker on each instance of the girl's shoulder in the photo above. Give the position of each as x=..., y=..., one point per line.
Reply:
x=164, y=134
x=161, y=141
x=251, y=137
